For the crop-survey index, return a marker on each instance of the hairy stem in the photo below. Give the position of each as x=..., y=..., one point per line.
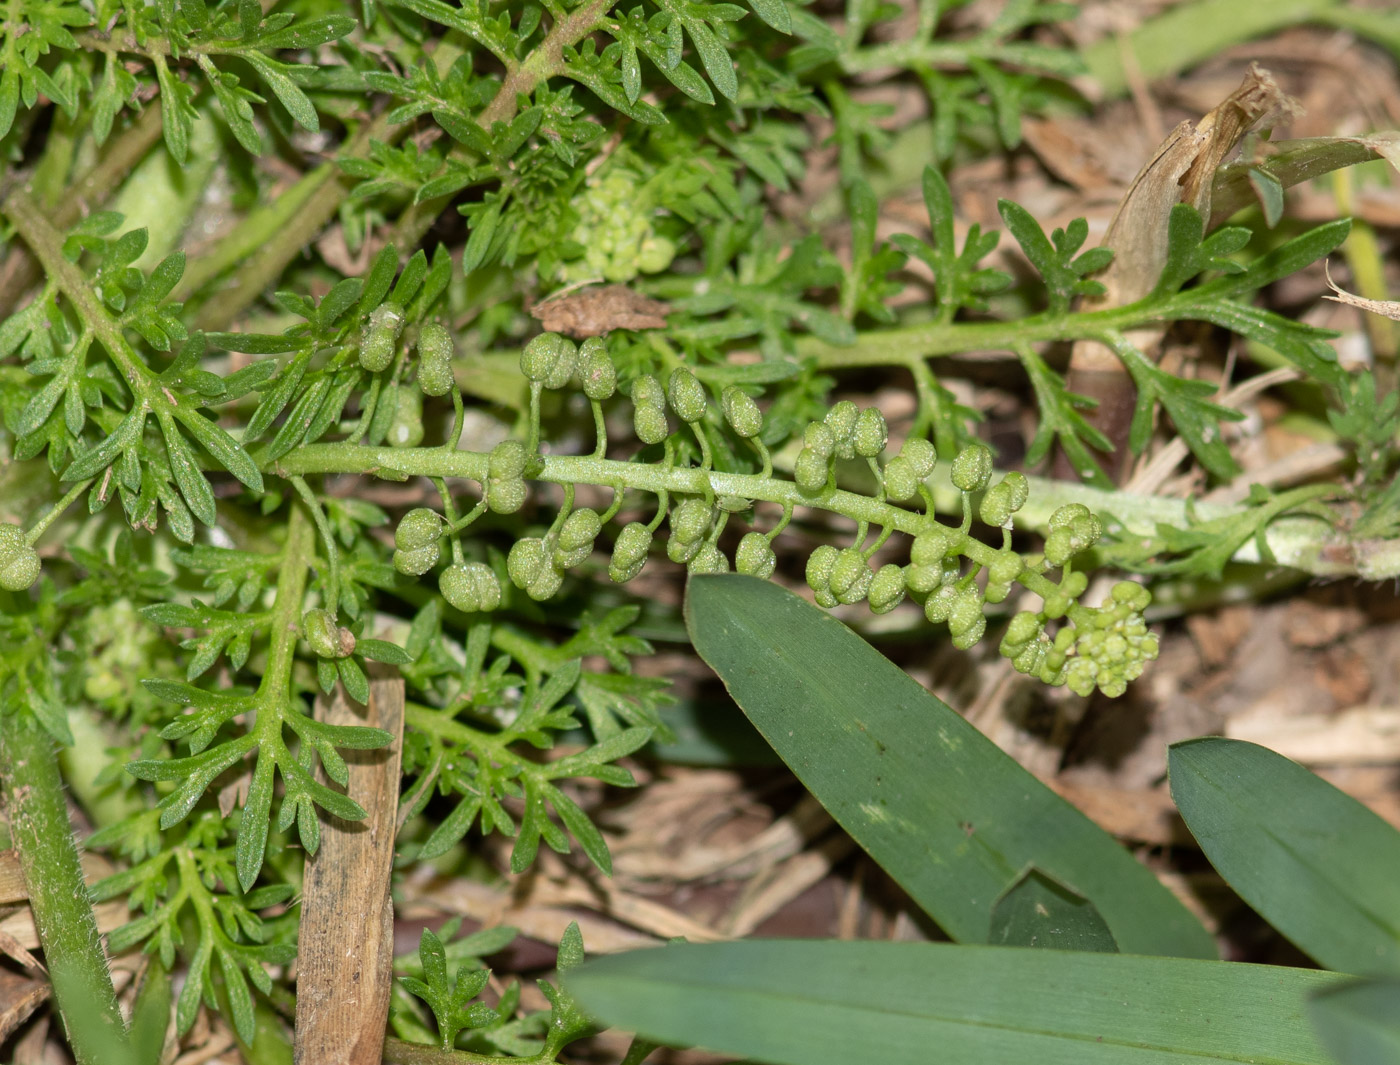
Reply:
x=58, y=896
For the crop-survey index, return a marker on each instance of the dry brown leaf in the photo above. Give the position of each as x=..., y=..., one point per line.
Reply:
x=592, y=312
x=1182, y=171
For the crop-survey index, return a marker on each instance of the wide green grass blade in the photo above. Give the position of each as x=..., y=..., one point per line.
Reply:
x=833, y=1003
x=1315, y=863
x=938, y=805
x=1359, y=1022
x=1038, y=912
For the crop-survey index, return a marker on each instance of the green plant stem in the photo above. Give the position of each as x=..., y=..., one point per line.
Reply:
x=54, y=512
x=1303, y=542
x=57, y=894
x=545, y=61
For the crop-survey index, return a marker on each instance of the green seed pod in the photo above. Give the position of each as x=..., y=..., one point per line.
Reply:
x=923, y=579
x=470, y=587
x=886, y=589
x=741, y=412
x=597, y=370
x=526, y=561
x=755, y=556
x=690, y=520
x=1059, y=547
x=682, y=551
x=1074, y=585
x=418, y=528
x=900, y=481
x=1001, y=574
x=545, y=585
x=937, y=605
x=1025, y=628
x=871, y=433
x=848, y=570
x=406, y=427
x=709, y=559
x=686, y=395
x=967, y=637
x=820, y=440
x=580, y=529
x=965, y=610
x=920, y=455
x=379, y=339
x=1068, y=515
x=435, y=352
x=418, y=560
x=547, y=358
x=819, y=566
x=19, y=563
x=647, y=392
x=841, y=419
x=972, y=468
x=933, y=546
x=506, y=497
x=630, y=552
x=507, y=460
x=811, y=470
x=649, y=425
x=996, y=505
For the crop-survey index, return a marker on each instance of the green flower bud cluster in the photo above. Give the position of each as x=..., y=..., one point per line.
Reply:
x=615, y=229
x=19, y=563
x=379, y=340
x=1106, y=648
x=327, y=639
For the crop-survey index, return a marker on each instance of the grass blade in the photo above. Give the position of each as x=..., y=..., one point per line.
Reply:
x=949, y=815
x=1315, y=863
x=832, y=1003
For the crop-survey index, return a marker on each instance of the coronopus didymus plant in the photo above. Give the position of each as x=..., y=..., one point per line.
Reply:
x=373, y=376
